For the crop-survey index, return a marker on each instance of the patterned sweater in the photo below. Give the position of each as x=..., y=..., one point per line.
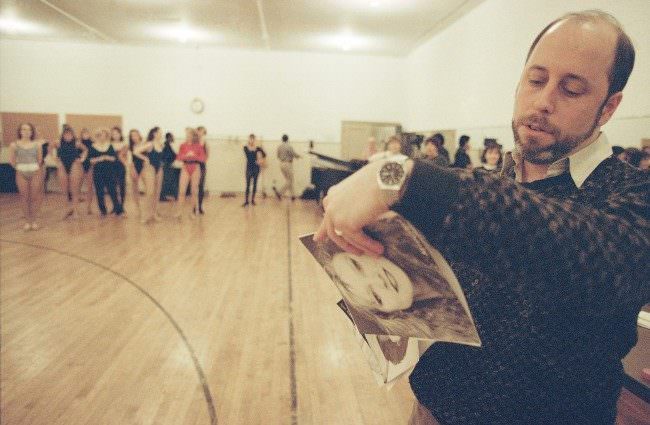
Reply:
x=554, y=276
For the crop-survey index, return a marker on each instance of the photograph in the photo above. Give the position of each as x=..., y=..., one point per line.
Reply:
x=410, y=291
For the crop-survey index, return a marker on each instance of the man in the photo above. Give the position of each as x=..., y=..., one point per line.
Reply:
x=553, y=257
x=286, y=155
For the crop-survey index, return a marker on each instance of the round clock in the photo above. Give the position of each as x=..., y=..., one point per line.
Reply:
x=197, y=105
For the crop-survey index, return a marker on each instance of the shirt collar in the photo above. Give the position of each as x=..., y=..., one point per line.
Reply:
x=585, y=161
x=579, y=165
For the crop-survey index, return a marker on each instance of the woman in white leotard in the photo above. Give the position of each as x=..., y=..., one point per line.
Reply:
x=26, y=156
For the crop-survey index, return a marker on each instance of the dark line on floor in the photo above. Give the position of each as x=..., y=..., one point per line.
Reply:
x=292, y=341
x=197, y=366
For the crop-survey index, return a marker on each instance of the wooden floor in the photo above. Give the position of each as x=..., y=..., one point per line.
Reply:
x=224, y=319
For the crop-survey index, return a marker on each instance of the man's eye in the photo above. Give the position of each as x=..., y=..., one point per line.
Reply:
x=356, y=264
x=391, y=279
x=572, y=93
x=536, y=82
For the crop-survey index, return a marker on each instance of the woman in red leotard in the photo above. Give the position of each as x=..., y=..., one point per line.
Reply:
x=192, y=153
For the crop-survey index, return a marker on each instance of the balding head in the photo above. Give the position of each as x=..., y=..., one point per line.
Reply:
x=571, y=85
x=622, y=51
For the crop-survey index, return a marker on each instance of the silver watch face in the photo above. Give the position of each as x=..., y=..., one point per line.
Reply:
x=391, y=173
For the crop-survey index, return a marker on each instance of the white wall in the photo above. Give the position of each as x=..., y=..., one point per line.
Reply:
x=465, y=77
x=306, y=95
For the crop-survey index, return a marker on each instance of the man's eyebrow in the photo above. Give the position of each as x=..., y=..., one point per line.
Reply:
x=537, y=68
x=569, y=75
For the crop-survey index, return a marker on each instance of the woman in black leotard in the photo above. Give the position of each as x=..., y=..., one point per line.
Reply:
x=87, y=177
x=121, y=148
x=151, y=153
x=253, y=159
x=170, y=174
x=70, y=154
x=103, y=157
x=135, y=168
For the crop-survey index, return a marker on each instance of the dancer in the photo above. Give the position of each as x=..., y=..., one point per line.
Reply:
x=261, y=161
x=170, y=174
x=26, y=156
x=71, y=153
x=202, y=136
x=87, y=177
x=122, y=149
x=135, y=168
x=103, y=157
x=253, y=157
x=192, y=154
x=150, y=152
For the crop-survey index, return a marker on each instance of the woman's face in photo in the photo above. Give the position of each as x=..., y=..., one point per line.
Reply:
x=25, y=132
x=85, y=134
x=378, y=284
x=67, y=136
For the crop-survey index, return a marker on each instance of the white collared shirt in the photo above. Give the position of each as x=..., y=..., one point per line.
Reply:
x=580, y=164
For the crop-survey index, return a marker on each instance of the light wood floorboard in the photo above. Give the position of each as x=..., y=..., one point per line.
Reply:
x=107, y=321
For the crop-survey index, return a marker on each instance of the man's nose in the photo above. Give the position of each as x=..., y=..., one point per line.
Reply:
x=546, y=98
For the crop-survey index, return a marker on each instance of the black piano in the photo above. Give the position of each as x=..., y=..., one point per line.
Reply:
x=328, y=171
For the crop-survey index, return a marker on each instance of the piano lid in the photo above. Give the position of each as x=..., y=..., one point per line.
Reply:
x=339, y=164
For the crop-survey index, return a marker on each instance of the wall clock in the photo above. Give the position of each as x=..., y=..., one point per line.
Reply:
x=197, y=105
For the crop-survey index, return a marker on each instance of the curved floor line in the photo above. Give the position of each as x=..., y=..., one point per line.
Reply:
x=197, y=366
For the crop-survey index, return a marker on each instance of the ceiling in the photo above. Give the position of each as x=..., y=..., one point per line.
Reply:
x=377, y=27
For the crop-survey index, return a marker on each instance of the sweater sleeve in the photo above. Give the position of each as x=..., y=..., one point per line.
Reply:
x=593, y=259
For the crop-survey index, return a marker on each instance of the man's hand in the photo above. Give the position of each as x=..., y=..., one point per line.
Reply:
x=349, y=206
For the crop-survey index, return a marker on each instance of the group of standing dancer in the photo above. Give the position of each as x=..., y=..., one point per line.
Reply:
x=105, y=159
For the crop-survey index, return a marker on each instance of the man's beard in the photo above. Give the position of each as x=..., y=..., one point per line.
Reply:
x=532, y=151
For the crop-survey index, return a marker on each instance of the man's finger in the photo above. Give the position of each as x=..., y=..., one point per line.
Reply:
x=362, y=241
x=340, y=241
x=321, y=233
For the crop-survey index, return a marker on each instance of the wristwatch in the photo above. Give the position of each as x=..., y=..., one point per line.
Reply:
x=391, y=178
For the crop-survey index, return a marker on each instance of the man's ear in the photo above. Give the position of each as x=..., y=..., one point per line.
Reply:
x=610, y=107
